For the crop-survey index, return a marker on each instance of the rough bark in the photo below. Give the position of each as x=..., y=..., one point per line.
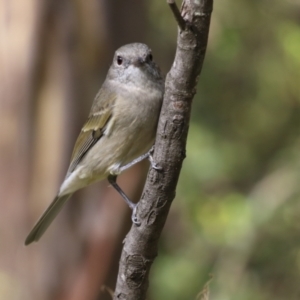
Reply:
x=140, y=246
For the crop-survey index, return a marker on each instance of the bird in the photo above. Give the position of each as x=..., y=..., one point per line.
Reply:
x=119, y=131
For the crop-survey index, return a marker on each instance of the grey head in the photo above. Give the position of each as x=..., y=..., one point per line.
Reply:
x=134, y=64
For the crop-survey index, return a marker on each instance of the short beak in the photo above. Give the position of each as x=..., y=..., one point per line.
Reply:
x=138, y=62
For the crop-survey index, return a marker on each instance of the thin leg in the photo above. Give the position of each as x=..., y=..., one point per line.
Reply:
x=135, y=161
x=140, y=158
x=152, y=162
x=113, y=181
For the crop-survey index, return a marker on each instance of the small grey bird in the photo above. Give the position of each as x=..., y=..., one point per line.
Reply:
x=119, y=131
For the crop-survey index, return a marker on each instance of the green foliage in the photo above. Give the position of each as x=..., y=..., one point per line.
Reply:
x=237, y=209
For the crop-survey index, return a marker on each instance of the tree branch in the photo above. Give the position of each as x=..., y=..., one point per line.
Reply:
x=177, y=14
x=140, y=247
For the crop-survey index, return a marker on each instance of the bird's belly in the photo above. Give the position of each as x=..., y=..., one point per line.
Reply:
x=113, y=151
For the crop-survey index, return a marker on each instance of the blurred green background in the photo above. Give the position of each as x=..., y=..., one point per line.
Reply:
x=237, y=212
x=236, y=217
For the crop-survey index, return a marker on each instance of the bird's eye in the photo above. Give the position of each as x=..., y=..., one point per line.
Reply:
x=119, y=60
x=150, y=57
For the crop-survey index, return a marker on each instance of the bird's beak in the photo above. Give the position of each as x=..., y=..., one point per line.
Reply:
x=138, y=62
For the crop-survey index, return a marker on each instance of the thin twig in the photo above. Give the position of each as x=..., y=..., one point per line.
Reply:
x=204, y=294
x=180, y=21
x=108, y=290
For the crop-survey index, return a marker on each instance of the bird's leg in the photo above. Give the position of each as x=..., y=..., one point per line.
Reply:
x=132, y=163
x=140, y=158
x=112, y=178
x=113, y=181
x=152, y=162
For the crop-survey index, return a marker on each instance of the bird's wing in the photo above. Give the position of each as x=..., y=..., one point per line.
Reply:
x=92, y=130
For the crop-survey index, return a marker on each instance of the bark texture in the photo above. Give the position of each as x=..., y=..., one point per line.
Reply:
x=140, y=245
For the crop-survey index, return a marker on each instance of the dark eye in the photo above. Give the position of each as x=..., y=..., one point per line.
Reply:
x=119, y=60
x=150, y=57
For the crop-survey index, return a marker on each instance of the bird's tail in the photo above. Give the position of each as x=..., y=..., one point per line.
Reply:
x=46, y=219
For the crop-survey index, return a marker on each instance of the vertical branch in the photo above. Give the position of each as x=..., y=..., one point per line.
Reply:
x=140, y=247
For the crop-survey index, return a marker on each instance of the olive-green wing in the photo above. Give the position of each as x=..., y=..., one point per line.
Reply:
x=90, y=134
